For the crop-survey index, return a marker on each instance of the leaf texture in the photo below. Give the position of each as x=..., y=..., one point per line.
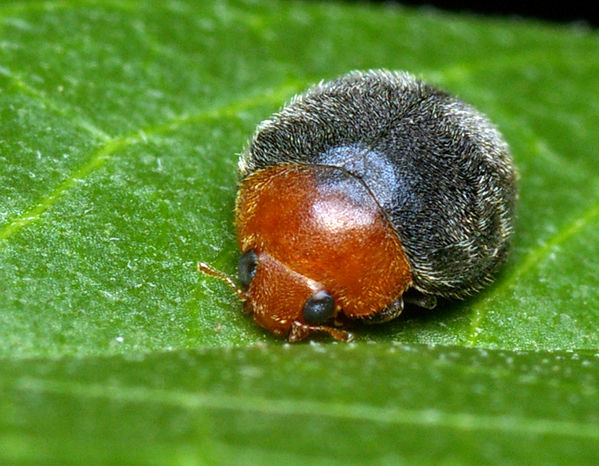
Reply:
x=121, y=125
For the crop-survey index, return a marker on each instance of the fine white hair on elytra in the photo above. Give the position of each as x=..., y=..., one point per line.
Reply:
x=439, y=169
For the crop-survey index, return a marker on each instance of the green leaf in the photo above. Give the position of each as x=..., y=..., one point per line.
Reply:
x=121, y=125
x=317, y=404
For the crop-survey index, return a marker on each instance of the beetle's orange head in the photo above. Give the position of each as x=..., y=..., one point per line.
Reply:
x=316, y=249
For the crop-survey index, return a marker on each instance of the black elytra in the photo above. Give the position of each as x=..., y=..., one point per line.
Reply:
x=440, y=170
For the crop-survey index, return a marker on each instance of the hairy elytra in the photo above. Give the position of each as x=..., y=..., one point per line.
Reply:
x=365, y=192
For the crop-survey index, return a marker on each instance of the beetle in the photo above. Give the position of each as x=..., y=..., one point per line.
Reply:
x=363, y=193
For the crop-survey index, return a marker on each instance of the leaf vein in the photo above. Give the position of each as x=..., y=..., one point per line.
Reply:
x=43, y=99
x=532, y=259
x=313, y=408
x=105, y=152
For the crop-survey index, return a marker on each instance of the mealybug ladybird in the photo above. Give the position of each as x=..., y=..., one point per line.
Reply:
x=365, y=192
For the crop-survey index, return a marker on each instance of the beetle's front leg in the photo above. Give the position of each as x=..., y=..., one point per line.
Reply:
x=300, y=331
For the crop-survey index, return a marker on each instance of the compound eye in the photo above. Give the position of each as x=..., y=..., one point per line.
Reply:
x=319, y=308
x=247, y=267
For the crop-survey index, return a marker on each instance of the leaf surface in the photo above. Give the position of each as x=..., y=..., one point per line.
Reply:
x=121, y=125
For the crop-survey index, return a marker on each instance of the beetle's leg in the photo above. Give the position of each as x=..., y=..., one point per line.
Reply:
x=300, y=331
x=384, y=315
x=413, y=296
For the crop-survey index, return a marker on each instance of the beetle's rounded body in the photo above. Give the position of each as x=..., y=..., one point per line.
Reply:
x=365, y=187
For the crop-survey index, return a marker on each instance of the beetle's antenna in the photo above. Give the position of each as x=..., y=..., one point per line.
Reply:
x=209, y=270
